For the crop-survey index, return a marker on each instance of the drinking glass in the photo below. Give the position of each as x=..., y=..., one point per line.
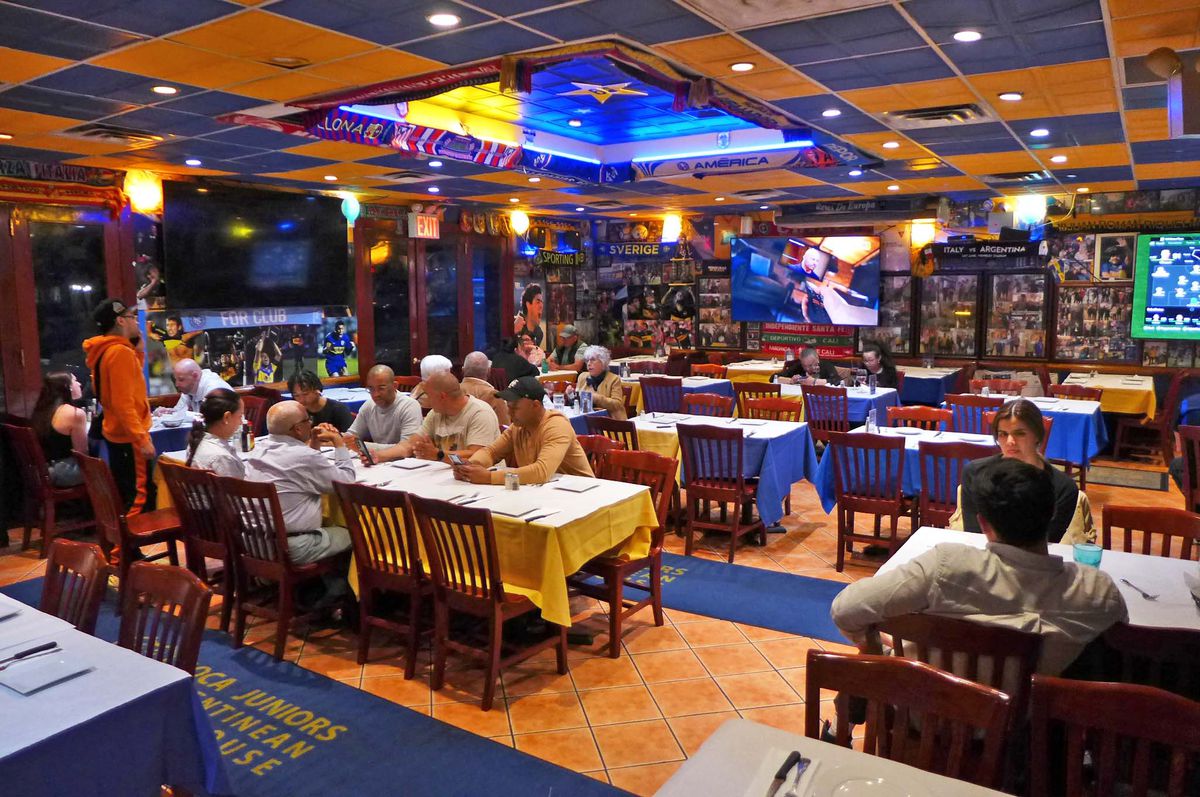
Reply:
x=1087, y=553
x=559, y=401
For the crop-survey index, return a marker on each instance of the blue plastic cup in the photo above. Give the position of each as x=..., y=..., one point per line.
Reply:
x=1087, y=553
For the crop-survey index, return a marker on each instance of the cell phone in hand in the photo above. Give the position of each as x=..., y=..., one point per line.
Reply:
x=366, y=452
x=457, y=460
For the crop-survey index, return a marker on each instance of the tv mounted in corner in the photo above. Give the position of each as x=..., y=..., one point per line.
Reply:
x=1166, y=287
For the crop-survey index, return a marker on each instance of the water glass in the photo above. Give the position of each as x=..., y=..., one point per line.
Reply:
x=559, y=401
x=1088, y=553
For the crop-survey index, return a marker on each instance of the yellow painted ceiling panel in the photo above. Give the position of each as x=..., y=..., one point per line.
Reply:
x=520, y=179
x=340, y=150
x=1083, y=157
x=375, y=67
x=1179, y=30
x=288, y=86
x=1132, y=8
x=905, y=96
x=712, y=55
x=260, y=35
x=68, y=144
x=993, y=162
x=1166, y=171
x=933, y=185
x=1147, y=124
x=17, y=66
x=773, y=84
x=873, y=143
x=1061, y=90
x=1101, y=188
x=17, y=122
x=172, y=61
x=345, y=172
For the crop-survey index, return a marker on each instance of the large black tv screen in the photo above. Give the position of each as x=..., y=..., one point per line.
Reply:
x=234, y=247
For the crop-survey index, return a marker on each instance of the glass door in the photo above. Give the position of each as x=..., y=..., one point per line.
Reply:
x=388, y=259
x=441, y=299
x=486, y=260
x=69, y=279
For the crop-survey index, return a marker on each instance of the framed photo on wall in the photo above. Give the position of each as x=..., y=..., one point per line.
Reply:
x=1115, y=256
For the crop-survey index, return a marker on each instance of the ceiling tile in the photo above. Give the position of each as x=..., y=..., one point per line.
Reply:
x=1085, y=87
x=374, y=67
x=289, y=86
x=18, y=66
x=58, y=103
x=170, y=60
x=16, y=121
x=339, y=151
x=381, y=21
x=1167, y=171
x=994, y=163
x=110, y=84
x=873, y=143
x=149, y=17
x=1146, y=125
x=472, y=44
x=905, y=66
x=260, y=35
x=1083, y=157
x=905, y=96
x=645, y=21
x=774, y=84
x=49, y=34
x=1179, y=30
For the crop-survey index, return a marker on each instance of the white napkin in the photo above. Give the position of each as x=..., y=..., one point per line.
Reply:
x=40, y=672
x=575, y=484
x=8, y=611
x=1193, y=583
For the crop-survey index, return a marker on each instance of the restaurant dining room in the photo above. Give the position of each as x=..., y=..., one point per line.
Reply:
x=698, y=398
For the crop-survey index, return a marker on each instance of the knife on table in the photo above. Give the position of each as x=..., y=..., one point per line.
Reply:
x=781, y=776
x=29, y=652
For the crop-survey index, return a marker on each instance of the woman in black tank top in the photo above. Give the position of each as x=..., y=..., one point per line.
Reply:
x=61, y=427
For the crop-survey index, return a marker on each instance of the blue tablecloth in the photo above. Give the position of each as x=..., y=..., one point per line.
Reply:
x=1076, y=437
x=859, y=401
x=720, y=387
x=929, y=390
x=579, y=422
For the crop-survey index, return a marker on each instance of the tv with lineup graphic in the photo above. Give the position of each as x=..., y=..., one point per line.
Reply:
x=1166, y=287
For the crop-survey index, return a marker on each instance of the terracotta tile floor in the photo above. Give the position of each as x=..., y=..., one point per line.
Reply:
x=629, y=721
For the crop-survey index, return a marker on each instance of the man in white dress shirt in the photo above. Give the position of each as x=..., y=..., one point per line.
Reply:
x=193, y=384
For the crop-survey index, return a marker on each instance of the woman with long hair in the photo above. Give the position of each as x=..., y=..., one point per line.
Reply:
x=61, y=426
x=878, y=361
x=211, y=443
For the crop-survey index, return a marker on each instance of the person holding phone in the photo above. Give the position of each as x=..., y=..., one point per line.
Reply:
x=457, y=424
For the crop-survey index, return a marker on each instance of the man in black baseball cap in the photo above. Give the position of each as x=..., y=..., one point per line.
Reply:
x=540, y=442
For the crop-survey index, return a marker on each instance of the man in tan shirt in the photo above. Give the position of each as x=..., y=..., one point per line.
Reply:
x=457, y=423
x=540, y=442
x=476, y=366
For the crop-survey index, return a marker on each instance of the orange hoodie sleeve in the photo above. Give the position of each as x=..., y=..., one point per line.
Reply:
x=126, y=408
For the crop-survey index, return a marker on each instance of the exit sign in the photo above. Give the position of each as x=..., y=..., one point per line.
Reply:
x=424, y=225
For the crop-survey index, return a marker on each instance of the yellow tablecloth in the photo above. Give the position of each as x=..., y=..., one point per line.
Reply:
x=1119, y=396
x=753, y=371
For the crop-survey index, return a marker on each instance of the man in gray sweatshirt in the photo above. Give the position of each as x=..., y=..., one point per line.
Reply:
x=389, y=416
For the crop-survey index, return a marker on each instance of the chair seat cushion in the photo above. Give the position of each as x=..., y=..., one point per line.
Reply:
x=160, y=521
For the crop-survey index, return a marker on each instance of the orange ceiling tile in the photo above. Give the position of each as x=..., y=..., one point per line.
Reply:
x=1179, y=30
x=1147, y=124
x=17, y=66
x=1083, y=157
x=18, y=122
x=345, y=172
x=774, y=84
x=872, y=187
x=1101, y=188
x=934, y=185
x=375, y=67
x=712, y=55
x=1166, y=171
x=67, y=144
x=1063, y=90
x=287, y=86
x=260, y=35
x=339, y=150
x=905, y=96
x=172, y=61
x=994, y=162
x=873, y=143
x=1133, y=8
x=519, y=179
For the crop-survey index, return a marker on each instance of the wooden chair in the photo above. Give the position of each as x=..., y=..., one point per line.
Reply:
x=942, y=466
x=989, y=423
x=195, y=494
x=405, y=384
x=255, y=410
x=1077, y=392
x=498, y=378
x=460, y=546
x=254, y=524
x=929, y=418
x=899, y=381
x=1043, y=375
x=962, y=726
x=713, y=470
x=630, y=406
x=1166, y=658
x=968, y=412
x=826, y=409
x=773, y=409
x=709, y=404
x=647, y=367
x=126, y=535
x=658, y=473
x=1160, y=429
x=1138, y=740
x=711, y=370
x=868, y=477
x=1149, y=523
x=662, y=394
x=624, y=432
x=597, y=447
x=76, y=577
x=745, y=391
x=557, y=386
x=163, y=618
x=998, y=387
x=677, y=364
x=388, y=559
x=1189, y=438
x=42, y=498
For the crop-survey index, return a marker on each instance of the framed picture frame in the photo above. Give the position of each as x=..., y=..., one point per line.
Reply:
x=1115, y=253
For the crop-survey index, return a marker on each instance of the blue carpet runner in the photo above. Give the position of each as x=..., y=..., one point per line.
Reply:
x=341, y=741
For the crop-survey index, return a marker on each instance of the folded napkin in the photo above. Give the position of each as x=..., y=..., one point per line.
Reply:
x=1193, y=584
x=41, y=672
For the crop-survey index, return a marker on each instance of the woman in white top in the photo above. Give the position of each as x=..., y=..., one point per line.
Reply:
x=211, y=444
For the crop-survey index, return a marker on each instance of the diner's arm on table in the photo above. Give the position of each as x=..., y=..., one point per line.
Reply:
x=870, y=601
x=556, y=439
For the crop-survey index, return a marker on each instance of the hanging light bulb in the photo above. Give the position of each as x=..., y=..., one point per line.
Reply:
x=520, y=222
x=350, y=209
x=144, y=190
x=672, y=227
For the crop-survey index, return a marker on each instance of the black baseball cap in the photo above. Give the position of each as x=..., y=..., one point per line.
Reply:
x=107, y=312
x=526, y=387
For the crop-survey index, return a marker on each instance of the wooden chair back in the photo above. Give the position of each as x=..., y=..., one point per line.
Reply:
x=255, y=409
x=1166, y=658
x=662, y=394
x=709, y=404
x=196, y=495
x=31, y=460
x=868, y=472
x=460, y=549
x=624, y=432
x=382, y=532
x=557, y=386
x=1043, y=375
x=1079, y=392
x=942, y=466
x=630, y=406
x=104, y=497
x=1151, y=524
x=405, y=384
x=1189, y=437
x=1138, y=740
x=929, y=418
x=597, y=447
x=498, y=378
x=677, y=364
x=647, y=367
x=773, y=409
x=76, y=578
x=1170, y=408
x=899, y=381
x=826, y=409
x=989, y=424
x=1003, y=387
x=968, y=412
x=744, y=391
x=254, y=527
x=962, y=725
x=163, y=615
x=711, y=370
x=653, y=470
x=712, y=461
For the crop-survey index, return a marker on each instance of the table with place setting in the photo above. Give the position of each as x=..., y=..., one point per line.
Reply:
x=928, y=385
x=1078, y=433
x=753, y=370
x=691, y=384
x=352, y=397
x=859, y=400
x=88, y=717
x=1125, y=394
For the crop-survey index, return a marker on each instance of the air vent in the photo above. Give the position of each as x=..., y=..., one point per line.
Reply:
x=114, y=134
x=288, y=62
x=405, y=176
x=939, y=116
x=762, y=193
x=606, y=204
x=1015, y=178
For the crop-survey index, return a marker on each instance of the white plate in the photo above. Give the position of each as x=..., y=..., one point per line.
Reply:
x=847, y=780
x=907, y=430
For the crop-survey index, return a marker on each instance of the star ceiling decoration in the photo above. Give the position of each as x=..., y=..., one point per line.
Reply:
x=602, y=93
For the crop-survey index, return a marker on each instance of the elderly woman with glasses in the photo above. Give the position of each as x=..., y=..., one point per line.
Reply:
x=603, y=384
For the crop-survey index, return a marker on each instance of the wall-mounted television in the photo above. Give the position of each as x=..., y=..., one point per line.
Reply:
x=1166, y=286
x=237, y=247
x=806, y=279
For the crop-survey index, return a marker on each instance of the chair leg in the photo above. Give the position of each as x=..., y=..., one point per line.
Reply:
x=126, y=559
x=688, y=527
x=284, y=620
x=616, y=606
x=227, y=592
x=364, y=625
x=841, y=541
x=1083, y=469
x=414, y=634
x=48, y=521
x=441, y=627
x=495, y=642
x=239, y=623
x=173, y=553
x=656, y=589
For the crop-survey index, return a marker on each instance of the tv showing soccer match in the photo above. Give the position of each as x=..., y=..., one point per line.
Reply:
x=806, y=279
x=1166, y=287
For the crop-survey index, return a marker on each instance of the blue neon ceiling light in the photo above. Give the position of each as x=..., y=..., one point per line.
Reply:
x=555, y=152
x=727, y=151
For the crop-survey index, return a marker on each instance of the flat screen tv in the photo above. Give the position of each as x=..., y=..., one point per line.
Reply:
x=237, y=247
x=806, y=279
x=1166, y=286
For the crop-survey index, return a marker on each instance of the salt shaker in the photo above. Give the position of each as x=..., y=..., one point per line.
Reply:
x=512, y=481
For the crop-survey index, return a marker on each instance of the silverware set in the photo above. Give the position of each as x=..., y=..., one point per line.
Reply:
x=1143, y=592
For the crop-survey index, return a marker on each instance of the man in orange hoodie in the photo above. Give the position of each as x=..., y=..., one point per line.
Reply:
x=116, y=366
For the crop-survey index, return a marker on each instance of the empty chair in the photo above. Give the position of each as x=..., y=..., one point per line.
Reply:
x=916, y=714
x=647, y=367
x=1167, y=658
x=557, y=386
x=711, y=370
x=405, y=384
x=255, y=411
x=677, y=364
x=658, y=473
x=942, y=467
x=744, y=391
x=713, y=467
x=630, y=404
x=1079, y=392
x=1189, y=438
x=498, y=378
x=1122, y=739
x=1157, y=527
x=929, y=418
x=709, y=404
x=163, y=617
x=826, y=409
x=460, y=546
x=968, y=412
x=868, y=477
x=42, y=498
x=1158, y=431
x=998, y=387
x=388, y=559
x=597, y=447
x=774, y=409
x=624, y=432
x=127, y=535
x=662, y=394
x=76, y=577
x=1043, y=375
x=195, y=494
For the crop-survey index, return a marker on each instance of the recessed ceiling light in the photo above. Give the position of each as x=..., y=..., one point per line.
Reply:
x=891, y=145
x=968, y=36
x=1011, y=96
x=165, y=90
x=535, y=179
x=829, y=113
x=1058, y=159
x=720, y=199
x=435, y=164
x=855, y=172
x=575, y=123
x=1082, y=190
x=893, y=187
x=5, y=136
x=433, y=189
x=632, y=214
x=201, y=190
x=331, y=177
x=443, y=20
x=764, y=207
x=513, y=199
x=741, y=66
x=1071, y=175
x=288, y=61
x=579, y=210
x=192, y=162
x=1039, y=132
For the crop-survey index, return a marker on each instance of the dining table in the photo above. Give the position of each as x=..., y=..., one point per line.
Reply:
x=1078, y=433
x=753, y=370
x=928, y=385
x=615, y=364
x=95, y=718
x=691, y=384
x=1125, y=394
x=859, y=400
